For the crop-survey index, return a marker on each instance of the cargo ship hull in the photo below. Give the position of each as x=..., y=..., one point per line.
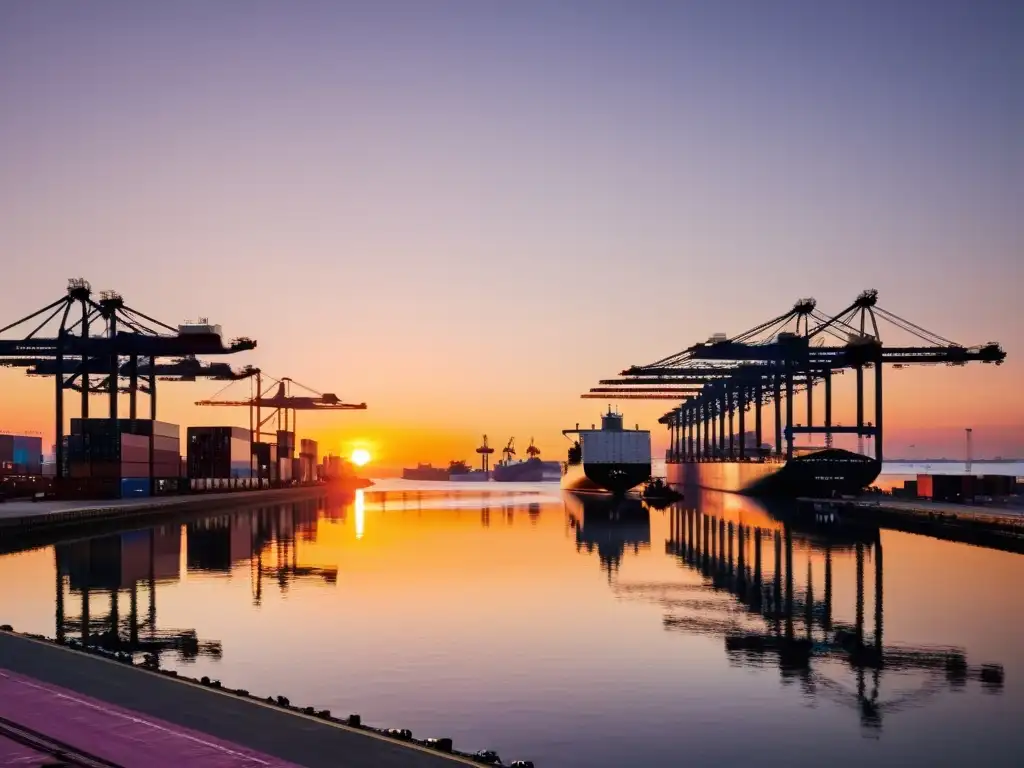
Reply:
x=476, y=476
x=529, y=471
x=614, y=478
x=823, y=474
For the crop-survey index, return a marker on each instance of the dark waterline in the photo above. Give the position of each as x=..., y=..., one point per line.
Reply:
x=521, y=620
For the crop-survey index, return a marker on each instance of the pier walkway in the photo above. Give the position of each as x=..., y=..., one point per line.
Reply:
x=120, y=716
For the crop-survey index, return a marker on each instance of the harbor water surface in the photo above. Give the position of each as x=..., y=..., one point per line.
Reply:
x=513, y=618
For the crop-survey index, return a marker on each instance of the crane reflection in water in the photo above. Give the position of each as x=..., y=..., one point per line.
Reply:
x=96, y=573
x=770, y=612
x=99, y=570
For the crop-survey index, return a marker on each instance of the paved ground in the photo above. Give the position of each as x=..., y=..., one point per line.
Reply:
x=979, y=511
x=22, y=508
x=13, y=753
x=114, y=733
x=218, y=728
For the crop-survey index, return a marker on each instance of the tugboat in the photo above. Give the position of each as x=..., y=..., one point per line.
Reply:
x=658, y=494
x=509, y=471
x=610, y=459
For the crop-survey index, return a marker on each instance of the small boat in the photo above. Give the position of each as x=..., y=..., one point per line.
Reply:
x=658, y=490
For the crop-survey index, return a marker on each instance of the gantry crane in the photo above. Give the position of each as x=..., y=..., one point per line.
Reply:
x=721, y=378
x=509, y=450
x=105, y=337
x=281, y=404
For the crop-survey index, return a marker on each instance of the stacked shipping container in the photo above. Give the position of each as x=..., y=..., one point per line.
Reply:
x=262, y=458
x=308, y=459
x=219, y=453
x=285, y=454
x=964, y=488
x=122, y=457
x=20, y=455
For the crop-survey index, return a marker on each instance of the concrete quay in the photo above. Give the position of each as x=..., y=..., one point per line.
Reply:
x=26, y=516
x=130, y=717
x=997, y=527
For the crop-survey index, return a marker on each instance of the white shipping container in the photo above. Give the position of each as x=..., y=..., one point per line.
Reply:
x=612, y=447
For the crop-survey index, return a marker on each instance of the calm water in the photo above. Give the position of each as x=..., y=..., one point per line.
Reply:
x=708, y=634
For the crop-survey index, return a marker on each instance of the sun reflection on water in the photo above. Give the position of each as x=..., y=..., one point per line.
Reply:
x=360, y=513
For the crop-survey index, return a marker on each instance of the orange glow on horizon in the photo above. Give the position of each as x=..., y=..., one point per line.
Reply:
x=926, y=410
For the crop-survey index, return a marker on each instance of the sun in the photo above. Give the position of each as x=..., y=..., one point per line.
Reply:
x=360, y=456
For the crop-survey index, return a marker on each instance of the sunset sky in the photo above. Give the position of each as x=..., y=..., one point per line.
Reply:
x=466, y=213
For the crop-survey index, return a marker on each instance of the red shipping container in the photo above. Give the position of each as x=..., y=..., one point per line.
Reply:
x=167, y=444
x=133, y=455
x=134, y=469
x=166, y=457
x=166, y=470
x=134, y=441
x=955, y=488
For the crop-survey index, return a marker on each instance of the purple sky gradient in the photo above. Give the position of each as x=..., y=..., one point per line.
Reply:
x=424, y=204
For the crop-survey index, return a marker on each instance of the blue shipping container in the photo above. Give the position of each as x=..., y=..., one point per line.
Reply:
x=132, y=487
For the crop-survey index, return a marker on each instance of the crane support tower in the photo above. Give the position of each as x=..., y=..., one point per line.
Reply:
x=485, y=452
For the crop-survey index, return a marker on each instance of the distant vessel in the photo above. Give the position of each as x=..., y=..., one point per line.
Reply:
x=510, y=471
x=609, y=459
x=457, y=471
x=460, y=472
x=425, y=472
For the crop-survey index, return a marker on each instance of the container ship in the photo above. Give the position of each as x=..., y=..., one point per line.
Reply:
x=456, y=471
x=610, y=459
x=509, y=470
x=814, y=472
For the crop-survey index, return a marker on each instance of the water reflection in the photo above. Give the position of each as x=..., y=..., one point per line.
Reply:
x=610, y=526
x=267, y=539
x=505, y=619
x=94, y=573
x=360, y=513
x=776, y=615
